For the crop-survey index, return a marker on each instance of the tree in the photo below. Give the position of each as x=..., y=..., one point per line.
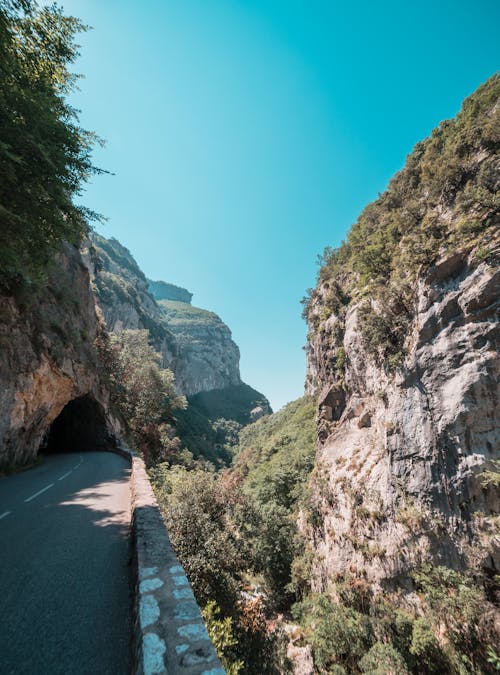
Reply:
x=197, y=511
x=143, y=392
x=45, y=155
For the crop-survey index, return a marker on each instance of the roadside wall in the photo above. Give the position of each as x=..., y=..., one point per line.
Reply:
x=169, y=634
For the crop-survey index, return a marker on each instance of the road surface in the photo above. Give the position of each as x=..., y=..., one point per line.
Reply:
x=64, y=567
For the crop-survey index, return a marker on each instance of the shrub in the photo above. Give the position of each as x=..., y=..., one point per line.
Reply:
x=383, y=659
x=425, y=648
x=221, y=633
x=337, y=634
x=197, y=514
x=142, y=392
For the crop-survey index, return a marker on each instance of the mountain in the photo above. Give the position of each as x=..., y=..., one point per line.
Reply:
x=193, y=342
x=368, y=510
x=209, y=357
x=161, y=290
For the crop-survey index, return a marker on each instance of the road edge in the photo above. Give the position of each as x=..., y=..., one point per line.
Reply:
x=169, y=635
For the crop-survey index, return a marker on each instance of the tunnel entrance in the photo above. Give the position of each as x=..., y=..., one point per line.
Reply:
x=80, y=427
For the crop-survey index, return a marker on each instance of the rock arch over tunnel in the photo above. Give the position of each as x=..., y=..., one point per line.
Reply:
x=80, y=427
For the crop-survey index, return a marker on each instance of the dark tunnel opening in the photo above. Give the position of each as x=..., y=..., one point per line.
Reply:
x=80, y=427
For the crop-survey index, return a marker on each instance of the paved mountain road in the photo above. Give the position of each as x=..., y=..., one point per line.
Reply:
x=64, y=567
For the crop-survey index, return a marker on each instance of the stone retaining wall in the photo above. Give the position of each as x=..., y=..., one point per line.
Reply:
x=169, y=634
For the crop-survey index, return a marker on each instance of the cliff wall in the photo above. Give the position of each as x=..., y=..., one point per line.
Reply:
x=403, y=356
x=48, y=358
x=195, y=343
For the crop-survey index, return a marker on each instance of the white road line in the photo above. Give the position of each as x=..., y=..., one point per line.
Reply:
x=80, y=462
x=65, y=475
x=4, y=514
x=39, y=492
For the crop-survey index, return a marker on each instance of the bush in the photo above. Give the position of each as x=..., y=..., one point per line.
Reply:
x=142, y=392
x=383, y=659
x=221, y=633
x=425, y=647
x=337, y=634
x=198, y=517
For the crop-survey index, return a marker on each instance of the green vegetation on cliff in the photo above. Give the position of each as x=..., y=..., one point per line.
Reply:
x=142, y=393
x=234, y=402
x=443, y=630
x=445, y=199
x=236, y=532
x=45, y=155
x=183, y=317
x=274, y=459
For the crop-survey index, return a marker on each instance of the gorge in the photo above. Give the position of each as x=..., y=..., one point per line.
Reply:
x=356, y=529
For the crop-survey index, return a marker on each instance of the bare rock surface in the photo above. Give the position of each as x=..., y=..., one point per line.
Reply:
x=48, y=356
x=194, y=343
x=399, y=473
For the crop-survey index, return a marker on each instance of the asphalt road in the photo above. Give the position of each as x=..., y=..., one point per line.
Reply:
x=64, y=567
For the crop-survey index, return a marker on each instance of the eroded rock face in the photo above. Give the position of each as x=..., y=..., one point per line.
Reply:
x=122, y=294
x=47, y=357
x=400, y=470
x=195, y=343
x=208, y=356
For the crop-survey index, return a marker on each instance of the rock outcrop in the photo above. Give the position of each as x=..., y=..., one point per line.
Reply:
x=48, y=358
x=403, y=356
x=209, y=358
x=195, y=343
x=161, y=290
x=122, y=293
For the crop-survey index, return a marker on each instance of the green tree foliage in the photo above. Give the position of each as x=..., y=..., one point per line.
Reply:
x=362, y=632
x=275, y=458
x=383, y=659
x=197, y=507
x=338, y=634
x=221, y=633
x=142, y=392
x=240, y=523
x=454, y=603
x=45, y=155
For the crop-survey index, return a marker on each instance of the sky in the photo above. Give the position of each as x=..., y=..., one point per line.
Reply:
x=246, y=135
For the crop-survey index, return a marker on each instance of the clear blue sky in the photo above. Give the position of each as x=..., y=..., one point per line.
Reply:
x=247, y=135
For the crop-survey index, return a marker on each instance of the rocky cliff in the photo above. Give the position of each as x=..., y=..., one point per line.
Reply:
x=48, y=361
x=402, y=354
x=161, y=290
x=195, y=343
x=209, y=357
x=122, y=292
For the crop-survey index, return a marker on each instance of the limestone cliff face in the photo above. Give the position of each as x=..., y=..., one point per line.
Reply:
x=47, y=357
x=195, y=343
x=123, y=296
x=209, y=359
x=161, y=290
x=400, y=466
x=405, y=365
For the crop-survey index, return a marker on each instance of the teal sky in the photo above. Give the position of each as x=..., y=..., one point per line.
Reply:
x=245, y=136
